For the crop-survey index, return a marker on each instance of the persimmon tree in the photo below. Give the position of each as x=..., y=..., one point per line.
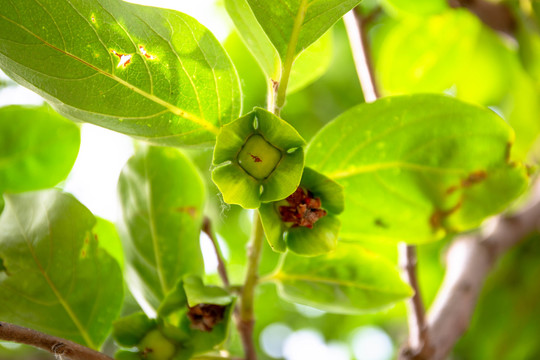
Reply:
x=433, y=154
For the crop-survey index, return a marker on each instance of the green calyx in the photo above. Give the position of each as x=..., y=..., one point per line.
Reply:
x=306, y=222
x=258, y=158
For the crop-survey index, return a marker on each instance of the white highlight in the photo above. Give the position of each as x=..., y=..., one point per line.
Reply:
x=94, y=177
x=372, y=343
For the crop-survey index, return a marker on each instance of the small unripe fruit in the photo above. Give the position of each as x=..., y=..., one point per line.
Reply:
x=155, y=346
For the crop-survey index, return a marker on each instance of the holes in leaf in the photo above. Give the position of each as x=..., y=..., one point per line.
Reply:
x=125, y=59
x=146, y=54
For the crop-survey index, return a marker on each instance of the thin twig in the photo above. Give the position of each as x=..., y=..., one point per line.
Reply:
x=222, y=270
x=354, y=24
x=418, y=341
x=55, y=345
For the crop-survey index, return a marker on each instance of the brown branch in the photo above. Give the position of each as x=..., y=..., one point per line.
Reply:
x=55, y=345
x=418, y=342
x=222, y=270
x=470, y=258
x=495, y=15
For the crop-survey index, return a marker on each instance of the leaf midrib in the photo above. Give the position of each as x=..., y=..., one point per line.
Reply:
x=172, y=108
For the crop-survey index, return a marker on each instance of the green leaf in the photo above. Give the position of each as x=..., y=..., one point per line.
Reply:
x=178, y=87
x=162, y=197
x=130, y=330
x=319, y=240
x=256, y=40
x=350, y=280
x=432, y=51
x=293, y=25
x=312, y=63
x=56, y=278
x=37, y=148
x=105, y=232
x=198, y=293
x=418, y=7
x=417, y=167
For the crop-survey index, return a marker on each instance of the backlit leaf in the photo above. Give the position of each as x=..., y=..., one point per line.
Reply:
x=293, y=25
x=162, y=197
x=37, y=148
x=147, y=72
x=415, y=167
x=56, y=278
x=349, y=280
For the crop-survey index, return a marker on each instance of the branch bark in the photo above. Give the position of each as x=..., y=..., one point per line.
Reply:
x=55, y=345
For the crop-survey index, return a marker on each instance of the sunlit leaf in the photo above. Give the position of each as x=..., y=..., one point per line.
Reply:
x=251, y=32
x=415, y=167
x=431, y=51
x=312, y=63
x=55, y=276
x=147, y=72
x=293, y=25
x=162, y=196
x=37, y=148
x=349, y=280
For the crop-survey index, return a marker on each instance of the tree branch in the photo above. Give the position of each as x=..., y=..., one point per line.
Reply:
x=470, y=258
x=55, y=345
x=418, y=342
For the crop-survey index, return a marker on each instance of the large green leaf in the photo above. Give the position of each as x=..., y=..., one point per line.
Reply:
x=162, y=197
x=56, y=278
x=414, y=167
x=293, y=25
x=37, y=148
x=349, y=280
x=177, y=88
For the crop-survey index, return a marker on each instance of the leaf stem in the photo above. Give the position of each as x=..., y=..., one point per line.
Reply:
x=246, y=317
x=289, y=58
x=57, y=346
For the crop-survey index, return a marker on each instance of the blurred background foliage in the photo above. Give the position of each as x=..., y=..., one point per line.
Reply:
x=417, y=47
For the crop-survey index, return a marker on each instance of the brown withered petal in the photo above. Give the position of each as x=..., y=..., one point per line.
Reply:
x=303, y=210
x=205, y=317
